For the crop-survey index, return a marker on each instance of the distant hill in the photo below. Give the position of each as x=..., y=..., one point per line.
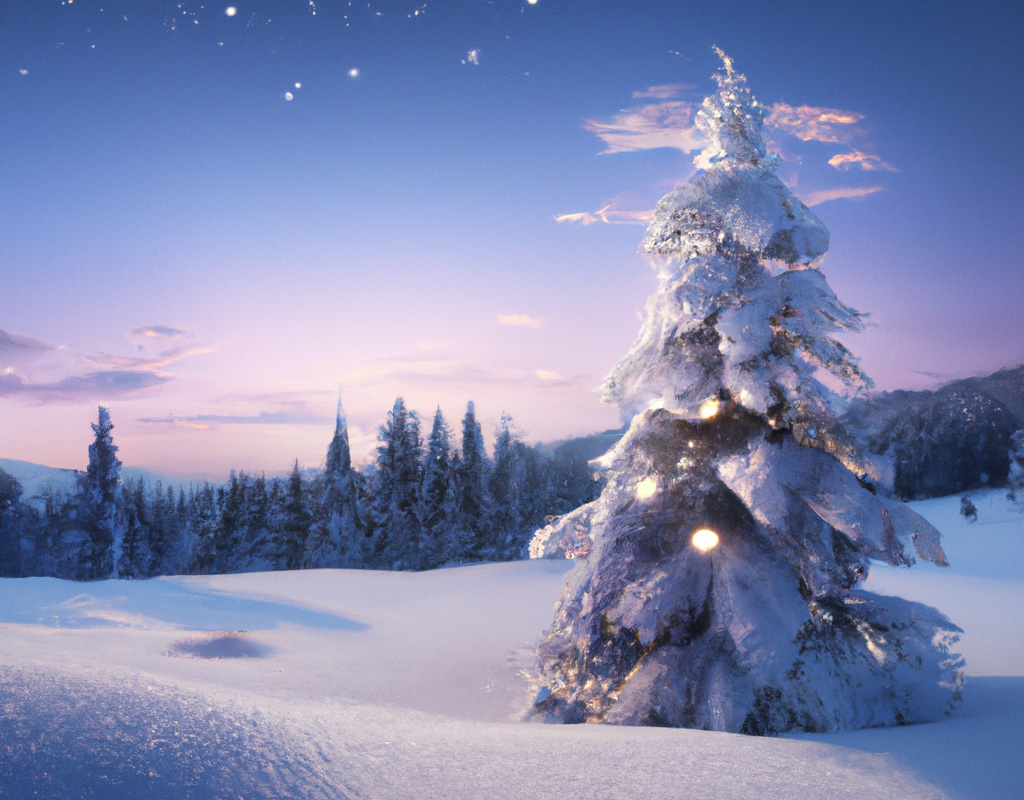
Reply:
x=948, y=440
x=585, y=447
x=36, y=478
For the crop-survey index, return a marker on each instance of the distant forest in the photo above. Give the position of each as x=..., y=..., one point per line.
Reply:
x=441, y=499
x=423, y=503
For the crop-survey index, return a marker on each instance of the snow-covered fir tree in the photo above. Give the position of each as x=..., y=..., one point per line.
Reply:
x=515, y=491
x=98, y=508
x=293, y=529
x=336, y=532
x=721, y=583
x=201, y=530
x=230, y=532
x=166, y=539
x=446, y=539
x=396, y=525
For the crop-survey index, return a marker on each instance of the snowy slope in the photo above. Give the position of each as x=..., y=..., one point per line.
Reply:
x=35, y=478
x=336, y=683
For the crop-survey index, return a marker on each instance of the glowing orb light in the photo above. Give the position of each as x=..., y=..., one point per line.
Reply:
x=353, y=73
x=705, y=539
x=289, y=96
x=709, y=408
x=646, y=488
x=231, y=11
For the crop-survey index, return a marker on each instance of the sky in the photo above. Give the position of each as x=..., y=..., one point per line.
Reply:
x=214, y=215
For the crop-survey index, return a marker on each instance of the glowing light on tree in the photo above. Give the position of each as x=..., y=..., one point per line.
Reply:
x=646, y=488
x=704, y=539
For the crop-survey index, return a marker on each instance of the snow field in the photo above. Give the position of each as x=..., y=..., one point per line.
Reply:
x=335, y=683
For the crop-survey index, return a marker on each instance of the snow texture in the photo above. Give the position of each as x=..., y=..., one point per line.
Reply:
x=732, y=431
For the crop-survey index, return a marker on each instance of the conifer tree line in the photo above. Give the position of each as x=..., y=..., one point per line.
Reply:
x=431, y=498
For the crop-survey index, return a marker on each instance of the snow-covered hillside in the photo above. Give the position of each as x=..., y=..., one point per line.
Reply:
x=35, y=479
x=339, y=683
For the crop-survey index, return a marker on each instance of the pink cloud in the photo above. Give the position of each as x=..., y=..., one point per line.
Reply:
x=520, y=320
x=814, y=124
x=866, y=162
x=668, y=124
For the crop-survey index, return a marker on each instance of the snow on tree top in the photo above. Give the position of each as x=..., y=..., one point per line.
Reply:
x=741, y=312
x=733, y=122
x=756, y=210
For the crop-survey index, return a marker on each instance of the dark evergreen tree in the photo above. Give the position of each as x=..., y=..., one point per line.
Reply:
x=445, y=538
x=396, y=536
x=472, y=477
x=294, y=524
x=570, y=483
x=14, y=524
x=163, y=536
x=1015, y=476
x=97, y=511
x=336, y=534
x=135, y=559
x=202, y=524
x=505, y=492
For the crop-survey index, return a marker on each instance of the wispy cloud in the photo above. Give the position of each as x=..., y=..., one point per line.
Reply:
x=831, y=125
x=520, y=320
x=38, y=372
x=840, y=193
x=158, y=332
x=163, y=359
x=11, y=343
x=866, y=162
x=666, y=124
x=204, y=421
x=663, y=91
x=670, y=123
x=439, y=368
x=107, y=384
x=609, y=215
x=814, y=124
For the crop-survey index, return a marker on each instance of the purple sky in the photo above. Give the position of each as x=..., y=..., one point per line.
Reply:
x=208, y=221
